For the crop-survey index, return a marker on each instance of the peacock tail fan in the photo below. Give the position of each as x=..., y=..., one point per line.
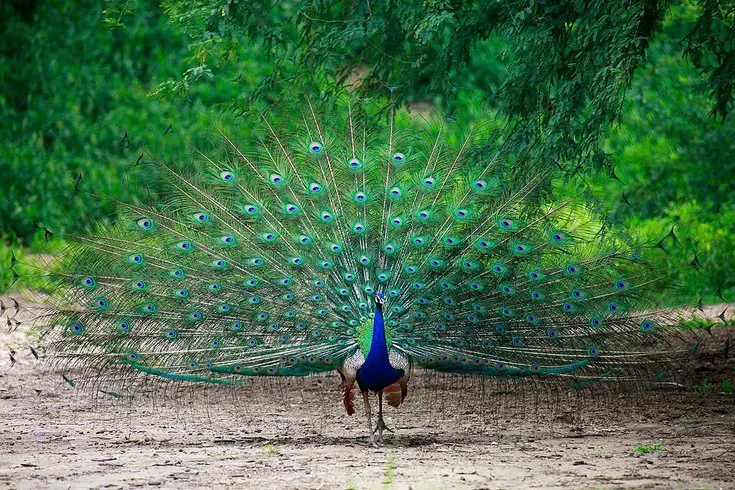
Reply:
x=263, y=253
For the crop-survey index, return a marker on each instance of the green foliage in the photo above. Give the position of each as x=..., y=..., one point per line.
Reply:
x=73, y=98
x=29, y=261
x=674, y=164
x=75, y=78
x=566, y=64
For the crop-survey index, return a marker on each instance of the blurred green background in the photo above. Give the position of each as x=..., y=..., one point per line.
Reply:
x=81, y=93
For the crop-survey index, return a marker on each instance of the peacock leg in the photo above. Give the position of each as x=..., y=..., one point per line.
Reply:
x=380, y=426
x=369, y=419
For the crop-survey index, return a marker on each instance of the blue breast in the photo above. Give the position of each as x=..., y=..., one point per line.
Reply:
x=376, y=376
x=376, y=372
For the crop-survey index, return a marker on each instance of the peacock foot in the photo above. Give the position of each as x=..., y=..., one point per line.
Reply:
x=379, y=428
x=372, y=442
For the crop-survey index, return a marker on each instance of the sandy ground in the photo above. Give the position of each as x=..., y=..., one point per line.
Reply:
x=451, y=433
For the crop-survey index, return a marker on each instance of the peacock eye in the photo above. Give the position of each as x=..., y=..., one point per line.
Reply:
x=399, y=157
x=227, y=176
x=315, y=147
x=354, y=163
x=145, y=223
x=201, y=217
x=315, y=187
x=480, y=184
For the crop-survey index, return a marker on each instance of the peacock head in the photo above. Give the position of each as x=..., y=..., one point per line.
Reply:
x=379, y=299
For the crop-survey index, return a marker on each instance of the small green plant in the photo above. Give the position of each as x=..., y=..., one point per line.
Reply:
x=390, y=469
x=727, y=386
x=270, y=449
x=704, y=387
x=646, y=449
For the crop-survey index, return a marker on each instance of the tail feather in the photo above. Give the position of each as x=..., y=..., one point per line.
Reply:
x=264, y=255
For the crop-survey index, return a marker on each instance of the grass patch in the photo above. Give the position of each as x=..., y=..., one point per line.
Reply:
x=270, y=449
x=390, y=469
x=647, y=449
x=727, y=386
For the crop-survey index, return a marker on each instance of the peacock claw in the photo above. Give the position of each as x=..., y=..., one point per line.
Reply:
x=379, y=428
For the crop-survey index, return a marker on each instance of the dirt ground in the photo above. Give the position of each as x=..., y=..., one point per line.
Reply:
x=452, y=433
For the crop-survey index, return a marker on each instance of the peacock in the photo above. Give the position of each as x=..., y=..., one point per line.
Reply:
x=363, y=241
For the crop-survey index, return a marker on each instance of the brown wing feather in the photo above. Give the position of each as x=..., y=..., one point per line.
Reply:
x=348, y=373
x=396, y=393
x=348, y=393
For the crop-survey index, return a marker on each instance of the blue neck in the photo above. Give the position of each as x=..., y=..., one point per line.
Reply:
x=378, y=346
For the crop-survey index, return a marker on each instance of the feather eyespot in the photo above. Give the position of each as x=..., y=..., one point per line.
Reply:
x=145, y=223
x=276, y=179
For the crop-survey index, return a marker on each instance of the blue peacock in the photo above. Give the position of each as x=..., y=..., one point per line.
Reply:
x=370, y=245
